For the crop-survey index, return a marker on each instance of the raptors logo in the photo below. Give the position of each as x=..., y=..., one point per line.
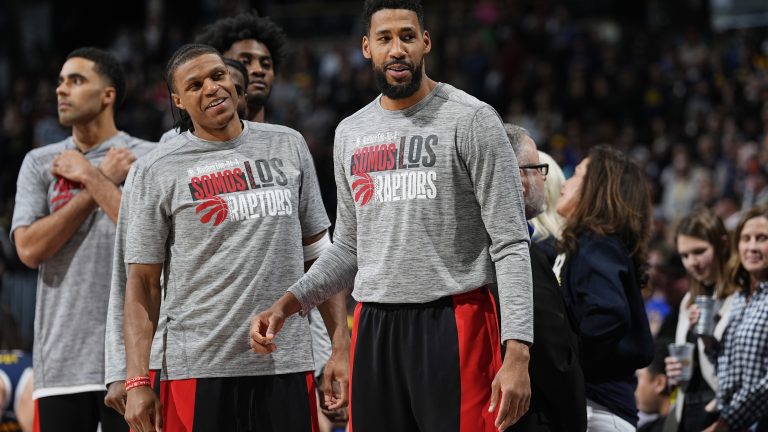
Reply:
x=214, y=206
x=364, y=187
x=64, y=192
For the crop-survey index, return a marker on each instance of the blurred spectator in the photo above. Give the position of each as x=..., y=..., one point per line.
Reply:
x=652, y=393
x=607, y=209
x=742, y=400
x=16, y=404
x=703, y=245
x=548, y=226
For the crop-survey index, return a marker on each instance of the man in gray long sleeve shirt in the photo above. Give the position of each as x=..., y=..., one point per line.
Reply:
x=430, y=211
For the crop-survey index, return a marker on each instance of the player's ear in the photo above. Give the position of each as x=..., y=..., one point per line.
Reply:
x=366, y=47
x=177, y=101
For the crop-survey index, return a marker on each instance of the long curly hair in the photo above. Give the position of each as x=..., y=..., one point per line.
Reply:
x=615, y=199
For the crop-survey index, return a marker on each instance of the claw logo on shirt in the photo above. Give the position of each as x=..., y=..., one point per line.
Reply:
x=64, y=192
x=364, y=189
x=214, y=206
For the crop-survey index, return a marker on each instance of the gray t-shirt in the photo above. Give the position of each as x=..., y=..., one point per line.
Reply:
x=430, y=204
x=233, y=215
x=73, y=285
x=114, y=345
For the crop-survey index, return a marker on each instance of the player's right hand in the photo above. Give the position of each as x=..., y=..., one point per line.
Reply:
x=143, y=411
x=115, y=397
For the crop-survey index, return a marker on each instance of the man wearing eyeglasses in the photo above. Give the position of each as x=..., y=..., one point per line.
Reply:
x=557, y=382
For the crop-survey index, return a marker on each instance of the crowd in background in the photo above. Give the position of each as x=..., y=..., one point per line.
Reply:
x=686, y=103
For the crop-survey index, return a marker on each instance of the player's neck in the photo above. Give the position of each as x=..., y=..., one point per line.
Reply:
x=89, y=135
x=426, y=87
x=256, y=114
x=228, y=132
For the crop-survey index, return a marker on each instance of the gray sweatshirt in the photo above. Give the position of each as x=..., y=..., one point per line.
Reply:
x=430, y=204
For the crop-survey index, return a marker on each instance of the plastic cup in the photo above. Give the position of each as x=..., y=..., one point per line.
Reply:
x=706, y=324
x=684, y=354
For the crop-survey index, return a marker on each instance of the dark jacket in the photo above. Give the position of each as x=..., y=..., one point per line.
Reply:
x=602, y=292
x=557, y=382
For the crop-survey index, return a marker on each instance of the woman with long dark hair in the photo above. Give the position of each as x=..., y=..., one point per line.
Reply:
x=607, y=207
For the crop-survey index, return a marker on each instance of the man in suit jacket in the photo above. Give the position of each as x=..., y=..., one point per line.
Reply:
x=558, y=402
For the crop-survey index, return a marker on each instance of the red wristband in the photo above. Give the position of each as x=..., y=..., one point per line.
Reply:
x=140, y=381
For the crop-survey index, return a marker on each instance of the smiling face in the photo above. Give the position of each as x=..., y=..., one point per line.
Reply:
x=698, y=257
x=396, y=46
x=571, y=190
x=203, y=88
x=82, y=94
x=753, y=247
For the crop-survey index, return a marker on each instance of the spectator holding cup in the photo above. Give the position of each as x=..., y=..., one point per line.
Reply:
x=702, y=242
x=742, y=367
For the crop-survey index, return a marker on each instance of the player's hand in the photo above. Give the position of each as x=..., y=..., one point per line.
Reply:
x=266, y=324
x=115, y=397
x=143, y=411
x=116, y=164
x=264, y=327
x=335, y=416
x=336, y=379
x=512, y=385
x=73, y=166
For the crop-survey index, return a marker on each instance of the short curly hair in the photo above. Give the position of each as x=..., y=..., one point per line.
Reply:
x=372, y=6
x=107, y=66
x=226, y=31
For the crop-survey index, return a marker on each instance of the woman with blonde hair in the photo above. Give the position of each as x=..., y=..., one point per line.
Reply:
x=548, y=225
x=742, y=366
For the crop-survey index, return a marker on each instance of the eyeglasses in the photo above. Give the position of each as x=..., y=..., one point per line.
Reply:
x=543, y=169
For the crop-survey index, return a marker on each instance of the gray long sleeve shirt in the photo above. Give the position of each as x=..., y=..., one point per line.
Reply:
x=430, y=204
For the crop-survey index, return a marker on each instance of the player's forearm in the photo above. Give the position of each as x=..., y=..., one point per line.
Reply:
x=142, y=308
x=46, y=236
x=105, y=193
x=334, y=313
x=513, y=277
x=332, y=273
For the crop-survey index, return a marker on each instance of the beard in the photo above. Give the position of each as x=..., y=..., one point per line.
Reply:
x=398, y=91
x=536, y=201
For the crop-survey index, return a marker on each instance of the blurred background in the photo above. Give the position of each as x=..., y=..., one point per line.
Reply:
x=681, y=86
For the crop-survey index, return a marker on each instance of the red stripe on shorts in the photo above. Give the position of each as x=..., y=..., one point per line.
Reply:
x=312, y=394
x=479, y=357
x=36, y=423
x=355, y=323
x=178, y=397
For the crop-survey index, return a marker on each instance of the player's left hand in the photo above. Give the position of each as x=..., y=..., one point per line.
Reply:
x=336, y=379
x=512, y=385
x=73, y=166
